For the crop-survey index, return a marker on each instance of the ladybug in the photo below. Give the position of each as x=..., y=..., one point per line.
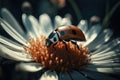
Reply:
x=65, y=33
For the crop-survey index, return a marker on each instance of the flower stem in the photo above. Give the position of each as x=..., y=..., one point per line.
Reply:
x=76, y=9
x=106, y=20
x=107, y=7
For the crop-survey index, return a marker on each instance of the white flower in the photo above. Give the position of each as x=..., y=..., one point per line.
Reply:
x=105, y=53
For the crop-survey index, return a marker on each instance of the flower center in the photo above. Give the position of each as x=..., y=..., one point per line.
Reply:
x=61, y=56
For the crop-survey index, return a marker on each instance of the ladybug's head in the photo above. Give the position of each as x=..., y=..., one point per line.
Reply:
x=52, y=38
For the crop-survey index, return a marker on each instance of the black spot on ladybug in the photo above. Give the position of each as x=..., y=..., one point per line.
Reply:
x=55, y=39
x=74, y=32
x=62, y=33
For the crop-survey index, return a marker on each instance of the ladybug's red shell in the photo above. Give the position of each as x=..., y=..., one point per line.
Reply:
x=70, y=32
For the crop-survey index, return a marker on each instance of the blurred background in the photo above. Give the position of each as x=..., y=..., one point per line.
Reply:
x=78, y=9
x=86, y=8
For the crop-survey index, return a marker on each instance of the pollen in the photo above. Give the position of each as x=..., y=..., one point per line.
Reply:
x=61, y=56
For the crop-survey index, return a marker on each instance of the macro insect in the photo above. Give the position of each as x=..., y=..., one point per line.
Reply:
x=65, y=33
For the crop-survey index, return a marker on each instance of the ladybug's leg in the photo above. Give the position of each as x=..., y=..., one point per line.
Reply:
x=54, y=45
x=65, y=43
x=75, y=43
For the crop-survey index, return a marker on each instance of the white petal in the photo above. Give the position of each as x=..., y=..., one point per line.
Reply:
x=65, y=21
x=110, y=54
x=11, y=44
x=114, y=62
x=14, y=55
x=107, y=55
x=108, y=58
x=45, y=24
x=92, y=34
x=101, y=39
x=107, y=47
x=49, y=75
x=64, y=76
x=34, y=24
x=31, y=24
x=12, y=32
x=111, y=68
x=77, y=76
x=57, y=21
x=8, y=17
x=61, y=21
x=83, y=25
x=96, y=75
x=107, y=61
x=30, y=67
x=28, y=26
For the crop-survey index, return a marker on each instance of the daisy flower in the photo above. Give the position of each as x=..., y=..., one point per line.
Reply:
x=97, y=55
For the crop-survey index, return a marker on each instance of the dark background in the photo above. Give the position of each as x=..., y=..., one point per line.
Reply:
x=88, y=8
